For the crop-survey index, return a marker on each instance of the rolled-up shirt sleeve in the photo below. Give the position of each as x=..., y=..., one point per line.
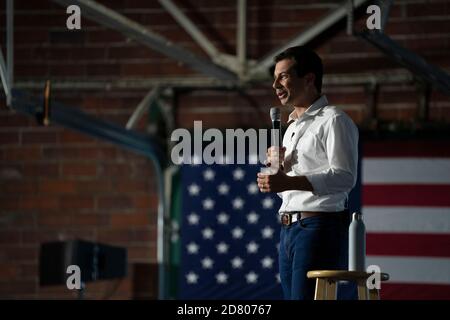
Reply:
x=341, y=143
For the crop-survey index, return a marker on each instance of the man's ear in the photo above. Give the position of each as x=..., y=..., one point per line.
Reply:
x=310, y=78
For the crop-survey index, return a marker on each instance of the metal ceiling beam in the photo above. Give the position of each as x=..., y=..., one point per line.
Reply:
x=110, y=18
x=263, y=65
x=367, y=79
x=10, y=40
x=4, y=75
x=385, y=8
x=410, y=60
x=195, y=82
x=241, y=50
x=142, y=84
x=143, y=107
x=190, y=28
x=7, y=69
x=350, y=17
x=227, y=61
x=76, y=119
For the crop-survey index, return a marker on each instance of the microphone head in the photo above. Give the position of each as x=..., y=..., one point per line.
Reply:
x=275, y=114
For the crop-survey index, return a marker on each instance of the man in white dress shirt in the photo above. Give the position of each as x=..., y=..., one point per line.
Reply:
x=317, y=168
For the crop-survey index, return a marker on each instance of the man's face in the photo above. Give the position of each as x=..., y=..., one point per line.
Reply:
x=289, y=88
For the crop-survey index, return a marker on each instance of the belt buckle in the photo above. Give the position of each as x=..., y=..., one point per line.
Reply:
x=286, y=219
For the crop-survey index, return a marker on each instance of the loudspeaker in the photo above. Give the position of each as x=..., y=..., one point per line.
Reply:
x=96, y=261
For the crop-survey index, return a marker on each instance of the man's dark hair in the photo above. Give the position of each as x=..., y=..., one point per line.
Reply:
x=306, y=61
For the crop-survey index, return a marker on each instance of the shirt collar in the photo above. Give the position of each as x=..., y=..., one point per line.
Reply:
x=312, y=110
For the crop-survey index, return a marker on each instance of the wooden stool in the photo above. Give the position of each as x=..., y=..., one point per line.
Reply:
x=326, y=280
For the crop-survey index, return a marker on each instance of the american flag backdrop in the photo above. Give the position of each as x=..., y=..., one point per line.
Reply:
x=229, y=235
x=229, y=231
x=406, y=209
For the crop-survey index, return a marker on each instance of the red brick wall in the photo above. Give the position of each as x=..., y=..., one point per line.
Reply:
x=58, y=184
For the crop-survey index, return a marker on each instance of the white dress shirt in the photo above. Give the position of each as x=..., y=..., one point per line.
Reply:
x=322, y=145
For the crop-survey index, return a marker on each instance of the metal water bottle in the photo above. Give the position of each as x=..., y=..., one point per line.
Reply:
x=357, y=244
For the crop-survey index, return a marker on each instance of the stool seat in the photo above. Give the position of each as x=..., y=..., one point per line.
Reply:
x=342, y=275
x=326, y=283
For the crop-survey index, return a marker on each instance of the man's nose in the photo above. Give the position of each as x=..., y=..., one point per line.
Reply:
x=276, y=84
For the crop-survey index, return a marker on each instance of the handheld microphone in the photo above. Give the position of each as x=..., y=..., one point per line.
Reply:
x=275, y=115
x=277, y=140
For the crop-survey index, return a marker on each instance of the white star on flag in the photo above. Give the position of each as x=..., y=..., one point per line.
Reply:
x=237, y=233
x=267, y=262
x=208, y=233
x=238, y=174
x=191, y=277
x=208, y=174
x=251, y=277
x=222, y=277
x=252, y=247
x=222, y=218
x=222, y=247
x=192, y=248
x=267, y=203
x=252, y=217
x=193, y=218
x=237, y=262
x=238, y=203
x=194, y=189
x=207, y=263
x=208, y=204
x=267, y=232
x=252, y=188
x=223, y=188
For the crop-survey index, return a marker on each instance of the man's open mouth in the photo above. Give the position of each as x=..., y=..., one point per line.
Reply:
x=281, y=94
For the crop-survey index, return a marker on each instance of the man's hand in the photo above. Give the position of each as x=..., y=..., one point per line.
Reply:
x=278, y=182
x=275, y=157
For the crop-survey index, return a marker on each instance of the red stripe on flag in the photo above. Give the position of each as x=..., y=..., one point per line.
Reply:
x=414, y=148
x=408, y=244
x=406, y=195
x=409, y=291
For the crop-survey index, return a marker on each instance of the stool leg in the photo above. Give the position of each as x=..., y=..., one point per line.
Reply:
x=320, y=289
x=331, y=293
x=362, y=290
x=374, y=294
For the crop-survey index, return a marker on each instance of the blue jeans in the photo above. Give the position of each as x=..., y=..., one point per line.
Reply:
x=316, y=243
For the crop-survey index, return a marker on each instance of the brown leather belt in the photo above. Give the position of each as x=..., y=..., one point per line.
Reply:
x=288, y=218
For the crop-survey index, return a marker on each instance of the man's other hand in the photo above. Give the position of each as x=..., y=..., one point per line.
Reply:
x=278, y=182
